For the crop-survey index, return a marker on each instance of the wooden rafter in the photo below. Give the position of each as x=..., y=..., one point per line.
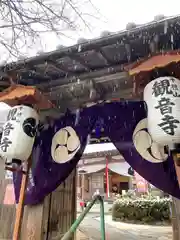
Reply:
x=81, y=61
x=104, y=56
x=58, y=66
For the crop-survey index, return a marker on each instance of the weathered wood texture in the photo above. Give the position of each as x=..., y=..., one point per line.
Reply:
x=32, y=223
x=62, y=209
x=176, y=218
x=44, y=221
x=7, y=212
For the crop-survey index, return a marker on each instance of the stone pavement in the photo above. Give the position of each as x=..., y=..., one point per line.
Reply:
x=81, y=236
x=96, y=208
x=146, y=231
x=122, y=231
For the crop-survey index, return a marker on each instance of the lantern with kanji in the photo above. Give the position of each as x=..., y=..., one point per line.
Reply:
x=18, y=133
x=162, y=97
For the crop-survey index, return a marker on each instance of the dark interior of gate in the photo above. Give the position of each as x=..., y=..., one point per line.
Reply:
x=79, y=76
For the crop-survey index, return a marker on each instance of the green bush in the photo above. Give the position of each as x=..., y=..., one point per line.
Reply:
x=142, y=210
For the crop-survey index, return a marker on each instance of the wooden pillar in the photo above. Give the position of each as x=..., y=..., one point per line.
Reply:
x=176, y=202
x=32, y=222
x=175, y=218
x=78, y=185
x=130, y=183
x=110, y=184
x=82, y=185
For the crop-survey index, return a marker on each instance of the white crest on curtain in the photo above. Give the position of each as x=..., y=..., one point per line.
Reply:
x=65, y=144
x=144, y=144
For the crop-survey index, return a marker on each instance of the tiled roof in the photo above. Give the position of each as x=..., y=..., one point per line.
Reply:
x=102, y=56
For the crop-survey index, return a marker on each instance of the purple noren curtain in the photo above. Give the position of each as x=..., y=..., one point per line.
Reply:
x=119, y=119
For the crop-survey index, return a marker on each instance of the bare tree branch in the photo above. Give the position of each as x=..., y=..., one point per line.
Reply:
x=23, y=22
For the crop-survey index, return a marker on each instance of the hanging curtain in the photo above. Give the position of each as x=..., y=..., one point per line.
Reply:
x=120, y=122
x=46, y=174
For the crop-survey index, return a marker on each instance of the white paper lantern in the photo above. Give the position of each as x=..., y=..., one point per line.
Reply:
x=19, y=133
x=4, y=111
x=162, y=96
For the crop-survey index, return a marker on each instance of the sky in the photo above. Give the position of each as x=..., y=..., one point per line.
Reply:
x=115, y=14
x=110, y=16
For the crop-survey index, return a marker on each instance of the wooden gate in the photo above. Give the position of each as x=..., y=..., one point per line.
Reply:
x=44, y=221
x=60, y=209
x=7, y=210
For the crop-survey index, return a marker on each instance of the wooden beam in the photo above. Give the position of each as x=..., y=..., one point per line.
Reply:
x=72, y=88
x=87, y=156
x=85, y=76
x=90, y=163
x=73, y=104
x=108, y=93
x=64, y=102
x=115, y=81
